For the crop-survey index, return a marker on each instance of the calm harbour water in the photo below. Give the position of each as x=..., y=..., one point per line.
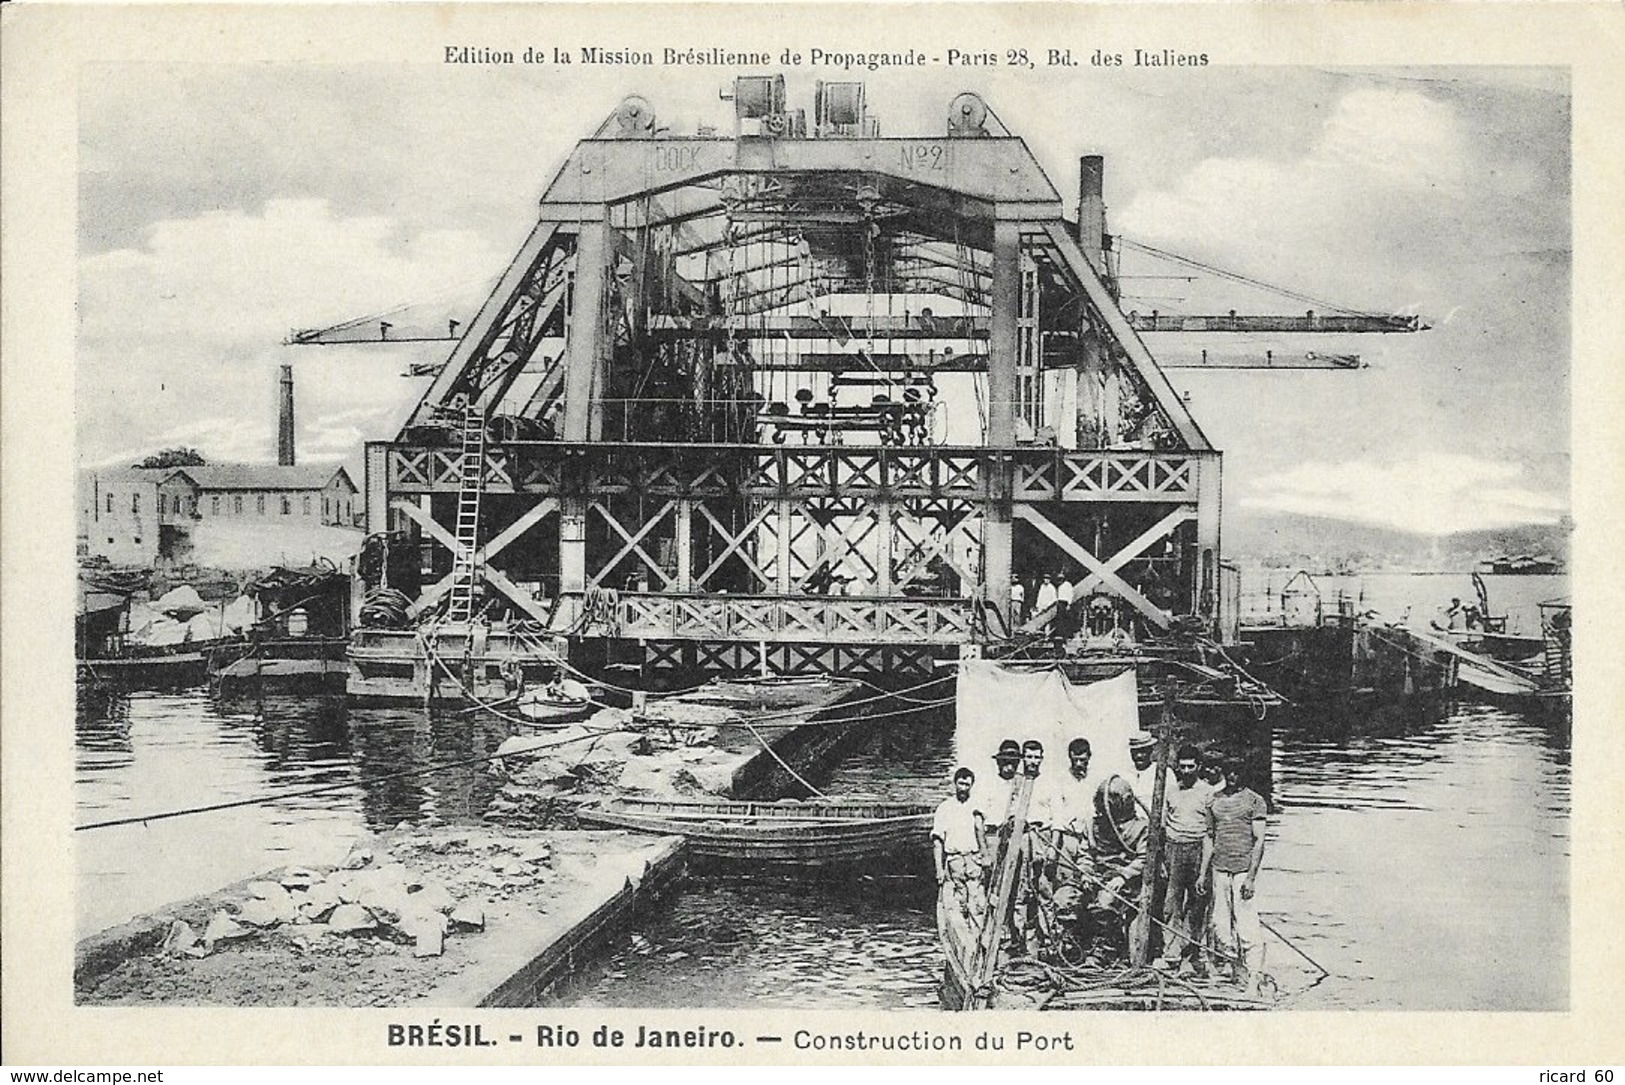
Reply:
x=1425, y=870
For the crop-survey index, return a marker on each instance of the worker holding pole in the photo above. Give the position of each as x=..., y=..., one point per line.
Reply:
x=1140, y=935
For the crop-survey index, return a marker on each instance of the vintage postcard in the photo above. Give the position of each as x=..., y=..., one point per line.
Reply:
x=1039, y=533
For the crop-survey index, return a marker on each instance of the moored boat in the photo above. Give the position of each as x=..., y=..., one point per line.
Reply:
x=175, y=666
x=808, y=834
x=1504, y=647
x=553, y=705
x=1486, y=633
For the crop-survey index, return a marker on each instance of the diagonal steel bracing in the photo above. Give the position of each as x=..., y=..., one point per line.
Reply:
x=1151, y=535
x=735, y=544
x=521, y=598
x=633, y=543
x=1101, y=571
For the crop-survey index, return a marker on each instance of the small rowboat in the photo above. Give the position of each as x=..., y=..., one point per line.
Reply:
x=805, y=834
x=545, y=706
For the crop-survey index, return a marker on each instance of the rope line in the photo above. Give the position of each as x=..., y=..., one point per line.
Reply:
x=1214, y=947
x=322, y=789
x=785, y=765
x=1244, y=279
x=593, y=734
x=479, y=705
x=749, y=721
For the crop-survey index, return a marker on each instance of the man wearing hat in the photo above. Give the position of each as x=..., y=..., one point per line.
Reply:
x=992, y=797
x=1142, y=749
x=993, y=792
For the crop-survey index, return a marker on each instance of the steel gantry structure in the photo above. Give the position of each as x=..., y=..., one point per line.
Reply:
x=803, y=398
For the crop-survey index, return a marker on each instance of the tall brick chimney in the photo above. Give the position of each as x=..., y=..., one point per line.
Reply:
x=284, y=431
x=1092, y=208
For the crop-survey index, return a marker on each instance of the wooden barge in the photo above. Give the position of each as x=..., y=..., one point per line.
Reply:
x=817, y=834
x=296, y=640
x=1353, y=671
x=470, y=663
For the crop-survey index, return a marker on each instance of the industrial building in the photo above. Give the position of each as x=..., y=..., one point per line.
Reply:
x=135, y=516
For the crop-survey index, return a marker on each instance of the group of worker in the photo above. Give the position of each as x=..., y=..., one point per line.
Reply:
x=1083, y=852
x=1071, y=608
x=1069, y=613
x=1458, y=617
x=1045, y=593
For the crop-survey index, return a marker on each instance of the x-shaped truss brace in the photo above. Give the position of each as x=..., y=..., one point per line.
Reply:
x=633, y=543
x=845, y=545
x=933, y=544
x=1105, y=572
x=735, y=544
x=521, y=598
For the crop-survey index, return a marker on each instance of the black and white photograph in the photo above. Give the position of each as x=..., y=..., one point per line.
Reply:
x=1039, y=519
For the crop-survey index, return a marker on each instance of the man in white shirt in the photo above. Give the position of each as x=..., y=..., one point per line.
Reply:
x=1046, y=594
x=1063, y=590
x=957, y=834
x=1142, y=749
x=1035, y=891
x=993, y=797
x=993, y=792
x=1065, y=623
x=1018, y=601
x=1071, y=812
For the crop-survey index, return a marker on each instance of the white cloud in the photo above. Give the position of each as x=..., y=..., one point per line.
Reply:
x=1434, y=494
x=1406, y=139
x=1388, y=170
x=194, y=321
x=234, y=276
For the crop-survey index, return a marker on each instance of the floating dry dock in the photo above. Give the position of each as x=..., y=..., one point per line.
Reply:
x=715, y=419
x=524, y=910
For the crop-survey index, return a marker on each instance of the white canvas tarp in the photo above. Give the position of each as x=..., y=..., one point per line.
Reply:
x=995, y=703
x=181, y=603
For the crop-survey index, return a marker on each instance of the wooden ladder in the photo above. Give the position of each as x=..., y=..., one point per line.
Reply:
x=470, y=484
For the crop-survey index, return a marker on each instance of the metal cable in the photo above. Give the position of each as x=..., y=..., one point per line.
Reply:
x=320, y=789
x=1240, y=278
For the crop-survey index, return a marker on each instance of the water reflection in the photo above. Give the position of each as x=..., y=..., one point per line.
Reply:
x=144, y=753
x=101, y=729
x=1428, y=871
x=777, y=944
x=1425, y=868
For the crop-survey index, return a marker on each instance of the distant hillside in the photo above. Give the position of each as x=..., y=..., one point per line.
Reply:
x=1322, y=544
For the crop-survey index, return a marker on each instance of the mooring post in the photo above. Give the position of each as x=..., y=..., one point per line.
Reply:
x=1153, y=845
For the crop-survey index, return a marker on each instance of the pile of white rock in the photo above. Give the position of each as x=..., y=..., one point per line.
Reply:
x=361, y=898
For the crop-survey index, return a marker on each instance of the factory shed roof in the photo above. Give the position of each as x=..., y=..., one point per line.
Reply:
x=258, y=476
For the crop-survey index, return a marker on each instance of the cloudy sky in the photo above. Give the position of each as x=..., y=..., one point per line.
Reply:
x=221, y=206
